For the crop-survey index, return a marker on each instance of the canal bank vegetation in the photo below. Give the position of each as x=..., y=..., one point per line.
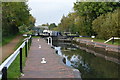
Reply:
x=98, y=19
x=16, y=18
x=17, y=44
x=9, y=38
x=14, y=69
x=116, y=42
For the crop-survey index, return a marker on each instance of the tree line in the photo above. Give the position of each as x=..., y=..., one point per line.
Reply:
x=100, y=19
x=16, y=18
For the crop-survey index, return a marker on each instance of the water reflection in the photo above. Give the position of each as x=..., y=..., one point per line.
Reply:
x=73, y=60
x=89, y=65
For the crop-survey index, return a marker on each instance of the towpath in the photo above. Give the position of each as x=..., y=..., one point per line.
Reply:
x=8, y=49
x=54, y=68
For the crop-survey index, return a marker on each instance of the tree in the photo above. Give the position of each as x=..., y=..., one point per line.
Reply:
x=45, y=24
x=52, y=25
x=67, y=23
x=95, y=9
x=107, y=25
x=14, y=16
x=92, y=10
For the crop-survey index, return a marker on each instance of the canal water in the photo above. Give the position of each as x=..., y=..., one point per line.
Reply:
x=88, y=64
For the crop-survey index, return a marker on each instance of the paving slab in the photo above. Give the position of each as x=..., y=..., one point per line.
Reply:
x=54, y=68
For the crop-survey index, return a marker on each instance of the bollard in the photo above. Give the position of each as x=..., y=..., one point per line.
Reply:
x=4, y=73
x=21, y=60
x=26, y=49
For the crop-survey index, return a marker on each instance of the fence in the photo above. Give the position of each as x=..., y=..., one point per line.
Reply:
x=49, y=40
x=5, y=65
x=112, y=38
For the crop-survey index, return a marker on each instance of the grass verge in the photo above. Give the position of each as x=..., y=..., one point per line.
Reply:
x=14, y=69
x=116, y=42
x=6, y=40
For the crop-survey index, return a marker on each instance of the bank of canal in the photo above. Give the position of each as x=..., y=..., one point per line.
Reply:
x=88, y=64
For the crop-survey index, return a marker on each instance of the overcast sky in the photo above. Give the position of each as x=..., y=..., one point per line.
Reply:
x=50, y=11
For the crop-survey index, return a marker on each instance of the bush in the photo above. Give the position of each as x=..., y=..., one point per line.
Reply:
x=107, y=25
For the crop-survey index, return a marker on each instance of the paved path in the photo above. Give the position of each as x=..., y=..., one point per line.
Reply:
x=54, y=68
x=8, y=49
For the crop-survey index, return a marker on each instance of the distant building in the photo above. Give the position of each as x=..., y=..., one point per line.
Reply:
x=52, y=33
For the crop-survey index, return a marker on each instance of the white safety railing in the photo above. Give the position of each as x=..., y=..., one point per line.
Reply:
x=49, y=40
x=111, y=39
x=10, y=59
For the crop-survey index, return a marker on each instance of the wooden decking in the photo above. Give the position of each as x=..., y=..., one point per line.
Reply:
x=54, y=68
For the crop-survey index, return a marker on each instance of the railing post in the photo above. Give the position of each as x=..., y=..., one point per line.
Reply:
x=48, y=40
x=26, y=49
x=21, y=60
x=113, y=40
x=28, y=44
x=51, y=41
x=4, y=73
x=31, y=40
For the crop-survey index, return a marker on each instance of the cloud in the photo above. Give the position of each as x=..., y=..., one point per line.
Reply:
x=47, y=11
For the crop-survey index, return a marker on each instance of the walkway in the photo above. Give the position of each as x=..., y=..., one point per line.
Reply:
x=8, y=49
x=54, y=68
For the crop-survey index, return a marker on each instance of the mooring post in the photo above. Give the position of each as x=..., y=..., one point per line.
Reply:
x=26, y=49
x=4, y=73
x=21, y=60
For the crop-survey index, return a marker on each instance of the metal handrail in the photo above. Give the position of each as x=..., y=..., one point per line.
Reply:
x=111, y=39
x=13, y=56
